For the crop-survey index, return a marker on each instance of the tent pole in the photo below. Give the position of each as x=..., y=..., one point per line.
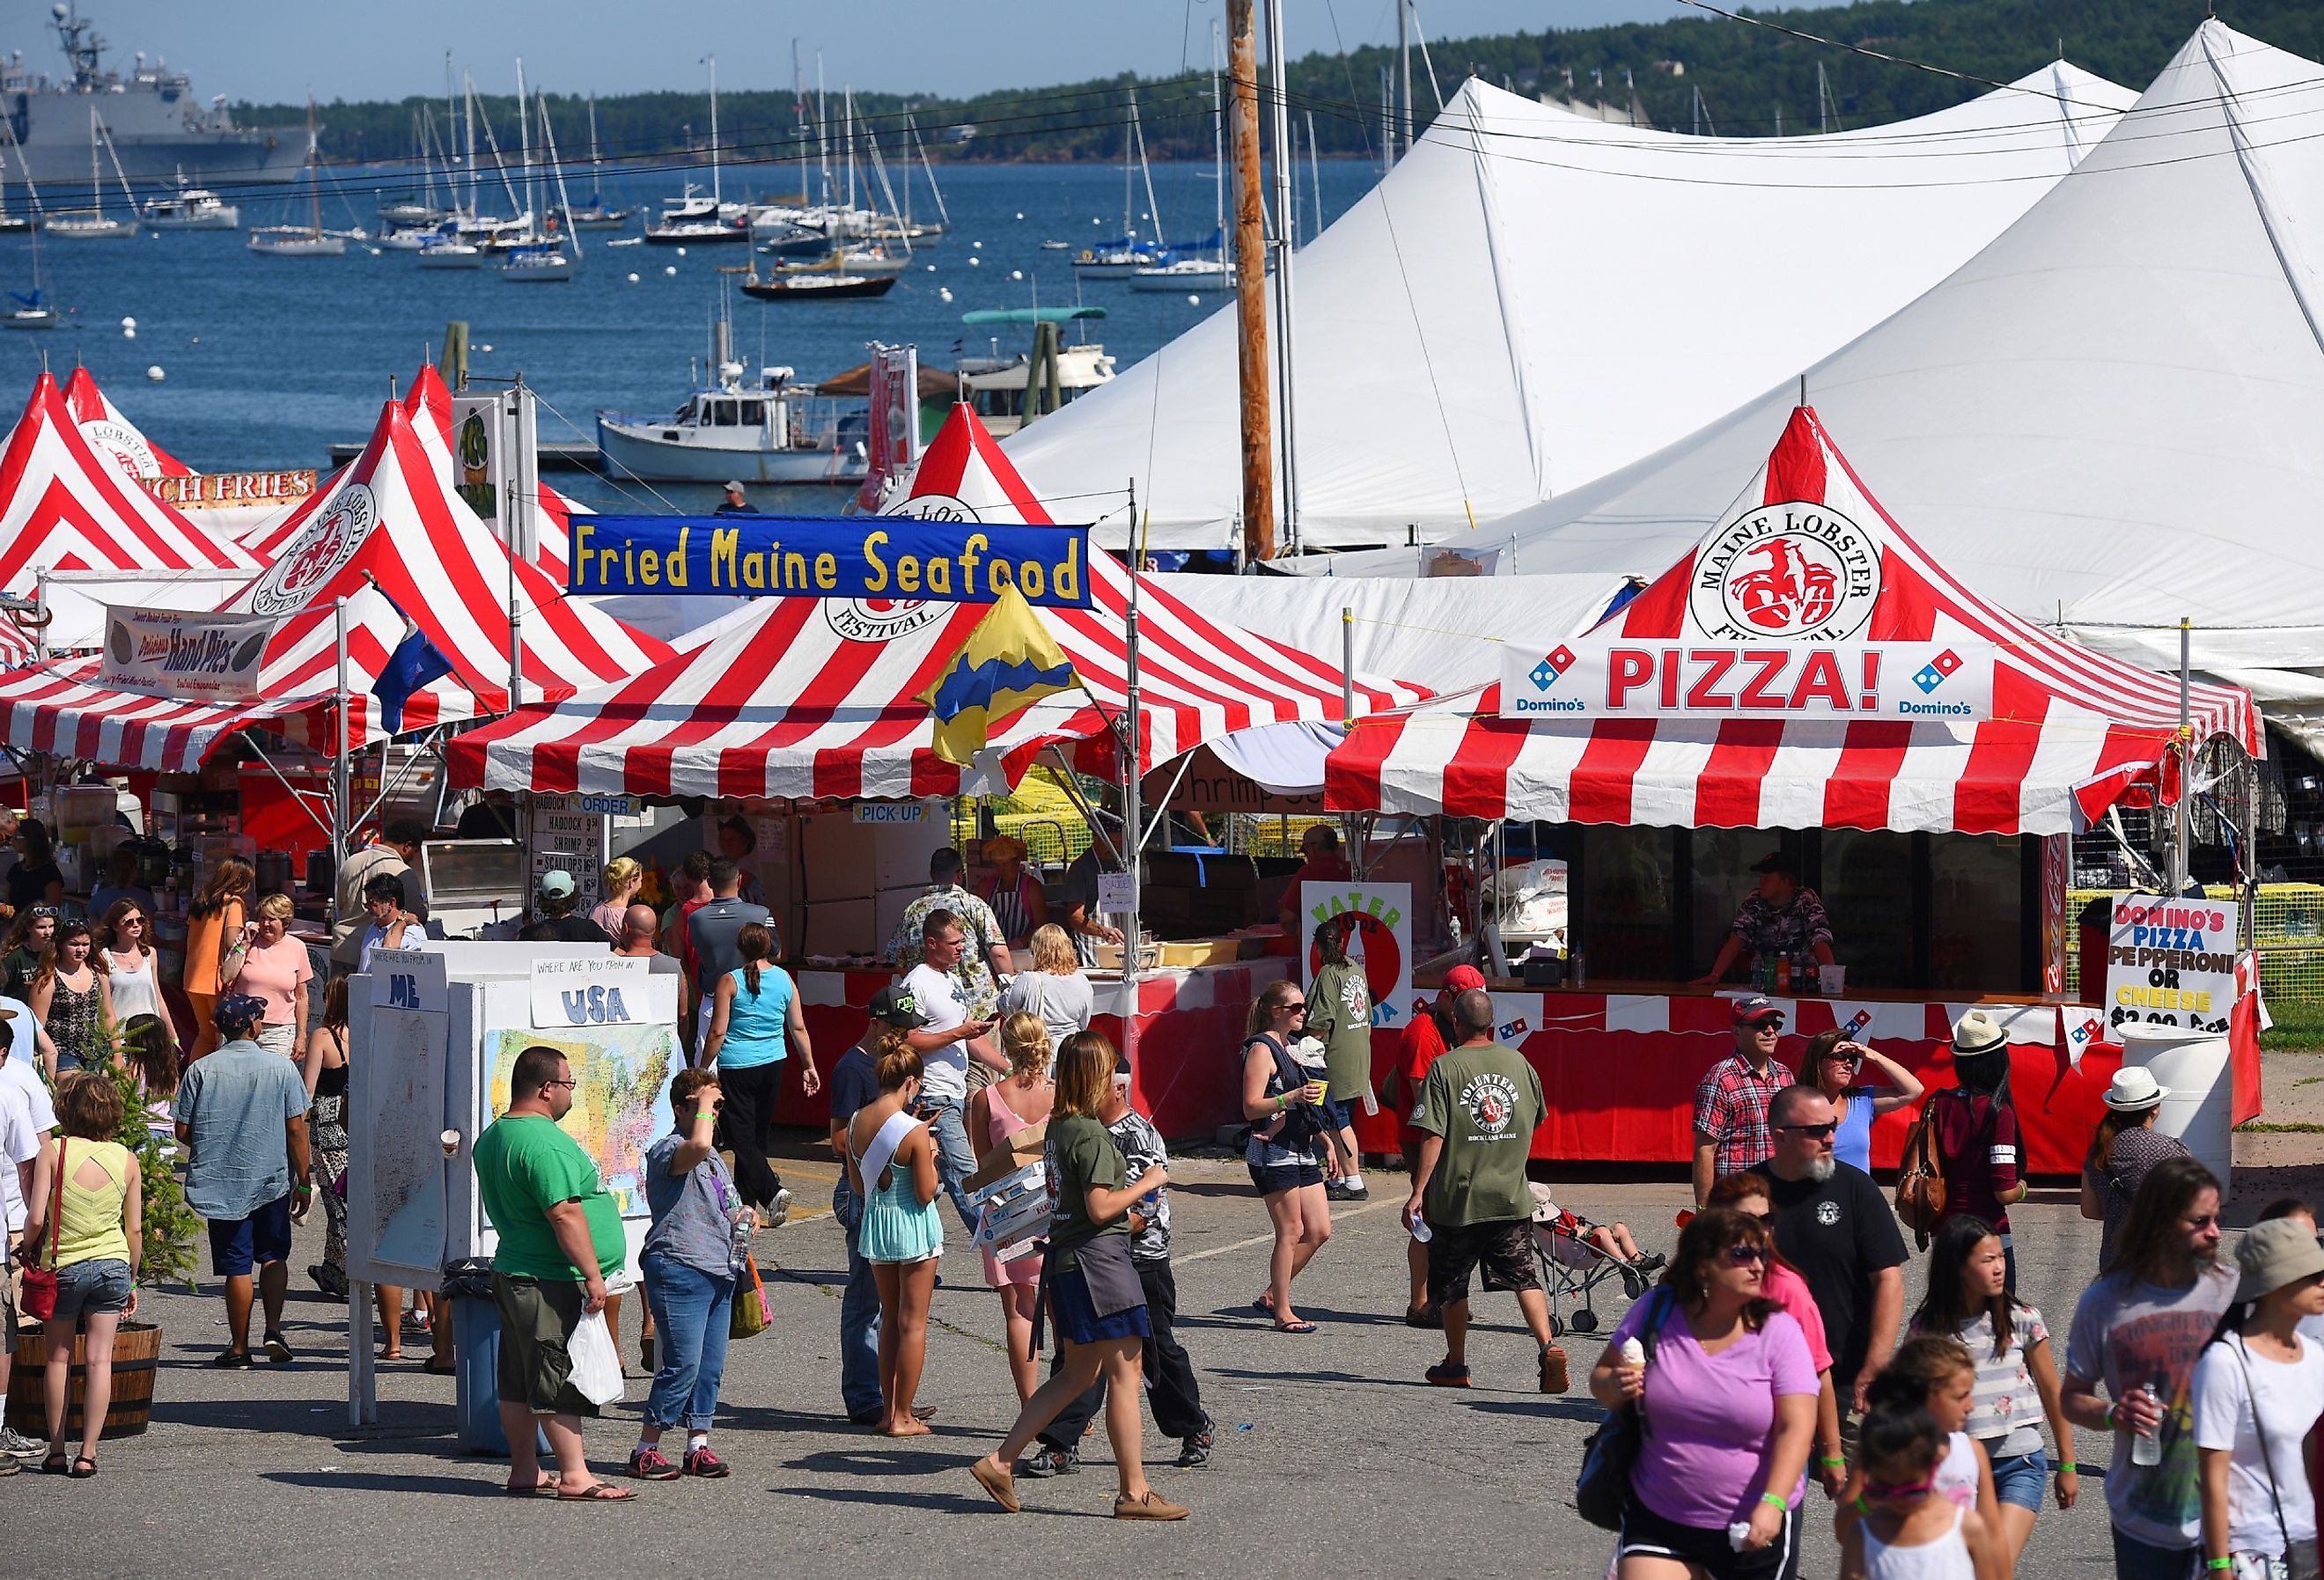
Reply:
x=2182, y=829
x=1133, y=811
x=340, y=794
x=1347, y=668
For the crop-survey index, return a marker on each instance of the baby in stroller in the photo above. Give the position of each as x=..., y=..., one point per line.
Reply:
x=1577, y=1255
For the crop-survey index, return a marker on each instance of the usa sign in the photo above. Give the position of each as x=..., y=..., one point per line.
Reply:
x=1596, y=678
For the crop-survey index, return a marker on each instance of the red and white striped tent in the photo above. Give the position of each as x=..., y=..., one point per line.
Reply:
x=66, y=506
x=392, y=539
x=812, y=697
x=110, y=433
x=2072, y=732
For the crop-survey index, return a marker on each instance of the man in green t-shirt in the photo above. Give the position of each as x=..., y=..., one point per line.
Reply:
x=560, y=1235
x=1478, y=1107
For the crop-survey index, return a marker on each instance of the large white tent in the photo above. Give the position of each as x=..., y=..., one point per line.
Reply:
x=2111, y=418
x=1530, y=300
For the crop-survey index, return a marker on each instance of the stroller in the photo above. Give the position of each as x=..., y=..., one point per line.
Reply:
x=1573, y=1267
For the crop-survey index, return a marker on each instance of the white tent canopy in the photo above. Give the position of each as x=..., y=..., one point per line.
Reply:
x=1531, y=299
x=2111, y=418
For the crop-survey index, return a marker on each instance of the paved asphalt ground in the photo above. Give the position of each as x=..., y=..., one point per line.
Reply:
x=1334, y=1459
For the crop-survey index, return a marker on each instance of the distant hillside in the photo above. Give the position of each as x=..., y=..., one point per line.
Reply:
x=1749, y=79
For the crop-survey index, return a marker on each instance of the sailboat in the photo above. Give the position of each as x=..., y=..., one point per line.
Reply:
x=93, y=226
x=544, y=258
x=31, y=312
x=290, y=240
x=1196, y=272
x=1119, y=260
x=16, y=224
x=595, y=215
x=695, y=220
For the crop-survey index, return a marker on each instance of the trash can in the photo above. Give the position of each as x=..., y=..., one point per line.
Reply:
x=476, y=1340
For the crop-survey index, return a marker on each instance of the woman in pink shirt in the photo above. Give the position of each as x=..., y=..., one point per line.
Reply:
x=1729, y=1401
x=1747, y=1193
x=277, y=970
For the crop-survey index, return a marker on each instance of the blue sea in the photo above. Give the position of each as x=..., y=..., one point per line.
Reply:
x=266, y=362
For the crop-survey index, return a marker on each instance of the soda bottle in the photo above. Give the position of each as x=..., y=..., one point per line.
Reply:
x=1782, y=974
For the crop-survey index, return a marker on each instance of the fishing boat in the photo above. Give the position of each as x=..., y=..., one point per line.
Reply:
x=996, y=387
x=312, y=241
x=694, y=220
x=772, y=430
x=192, y=209
x=93, y=224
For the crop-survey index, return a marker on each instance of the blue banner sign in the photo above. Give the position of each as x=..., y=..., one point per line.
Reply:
x=829, y=556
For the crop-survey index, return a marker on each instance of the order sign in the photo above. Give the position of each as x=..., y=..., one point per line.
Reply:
x=2170, y=962
x=1595, y=678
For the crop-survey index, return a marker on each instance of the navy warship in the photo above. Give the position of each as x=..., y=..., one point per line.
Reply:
x=161, y=132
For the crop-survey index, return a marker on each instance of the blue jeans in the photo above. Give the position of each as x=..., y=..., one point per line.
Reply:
x=955, y=1160
x=859, y=1314
x=691, y=1309
x=2136, y=1560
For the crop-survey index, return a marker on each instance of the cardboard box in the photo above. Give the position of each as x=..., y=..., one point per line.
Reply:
x=1025, y=1149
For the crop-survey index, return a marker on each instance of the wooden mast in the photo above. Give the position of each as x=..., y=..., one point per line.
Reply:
x=1250, y=290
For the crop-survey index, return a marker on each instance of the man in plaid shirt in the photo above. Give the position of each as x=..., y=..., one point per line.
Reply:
x=1730, y=1105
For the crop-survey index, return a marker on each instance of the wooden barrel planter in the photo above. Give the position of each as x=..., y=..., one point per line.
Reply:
x=136, y=1355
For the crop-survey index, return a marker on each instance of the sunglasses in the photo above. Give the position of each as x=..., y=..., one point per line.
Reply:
x=1746, y=1255
x=1294, y=1009
x=1881, y=1490
x=1836, y=1056
x=1822, y=1132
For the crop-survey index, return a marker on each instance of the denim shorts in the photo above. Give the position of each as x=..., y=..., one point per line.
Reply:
x=2022, y=1479
x=93, y=1289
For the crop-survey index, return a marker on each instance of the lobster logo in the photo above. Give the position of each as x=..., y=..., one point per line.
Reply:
x=326, y=545
x=1796, y=572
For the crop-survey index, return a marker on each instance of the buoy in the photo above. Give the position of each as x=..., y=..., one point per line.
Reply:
x=129, y=323
x=974, y=245
x=1021, y=214
x=944, y=293
x=129, y=334
x=1015, y=273
x=483, y=349
x=975, y=262
x=195, y=341
x=155, y=374
x=932, y=268
x=1194, y=301
x=633, y=279
x=670, y=268
x=681, y=251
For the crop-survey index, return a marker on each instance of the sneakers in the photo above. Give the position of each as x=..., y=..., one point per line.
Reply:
x=649, y=1465
x=233, y=1361
x=779, y=1211
x=8, y=1466
x=278, y=1348
x=1553, y=1370
x=1446, y=1375
x=1194, y=1451
x=1337, y=1190
x=701, y=1462
x=329, y=1279
x=14, y=1445
x=1152, y=1506
x=1048, y=1461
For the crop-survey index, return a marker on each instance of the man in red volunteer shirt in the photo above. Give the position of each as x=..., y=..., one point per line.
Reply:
x=1423, y=1041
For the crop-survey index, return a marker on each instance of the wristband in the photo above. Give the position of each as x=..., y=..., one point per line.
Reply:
x=1833, y=1463
x=2218, y=1563
x=1783, y=1504
x=2108, y=1418
x=705, y=1114
x=1861, y=1506
x=1282, y=1101
x=2065, y=1465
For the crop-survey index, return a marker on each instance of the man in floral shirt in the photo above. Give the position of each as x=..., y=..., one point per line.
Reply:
x=1779, y=918
x=1730, y=1105
x=987, y=955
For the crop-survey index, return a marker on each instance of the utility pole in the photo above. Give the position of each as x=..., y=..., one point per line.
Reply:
x=1250, y=290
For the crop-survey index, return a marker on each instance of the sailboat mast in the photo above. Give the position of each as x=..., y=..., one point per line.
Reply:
x=524, y=151
x=469, y=83
x=1315, y=173
x=847, y=136
x=717, y=200
x=1153, y=209
x=1129, y=173
x=314, y=170
x=1218, y=150
x=563, y=198
x=96, y=186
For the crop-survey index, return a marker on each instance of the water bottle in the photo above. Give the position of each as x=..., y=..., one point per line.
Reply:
x=1421, y=1232
x=2146, y=1447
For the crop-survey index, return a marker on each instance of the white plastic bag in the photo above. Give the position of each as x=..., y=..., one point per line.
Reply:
x=596, y=1367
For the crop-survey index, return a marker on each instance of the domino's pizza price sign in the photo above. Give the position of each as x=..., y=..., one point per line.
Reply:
x=2172, y=962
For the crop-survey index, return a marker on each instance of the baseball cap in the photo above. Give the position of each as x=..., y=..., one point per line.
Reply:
x=1757, y=1008
x=239, y=1009
x=1464, y=978
x=1776, y=861
x=733, y=486
x=895, y=1004
x=556, y=884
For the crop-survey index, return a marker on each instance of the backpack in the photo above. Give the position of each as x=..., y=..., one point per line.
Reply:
x=1920, y=1179
x=1609, y=1454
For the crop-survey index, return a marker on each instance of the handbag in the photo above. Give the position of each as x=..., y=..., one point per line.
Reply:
x=1920, y=1182
x=1609, y=1453
x=38, y=1298
x=749, y=1314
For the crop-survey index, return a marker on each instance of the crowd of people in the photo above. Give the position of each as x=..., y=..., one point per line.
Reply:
x=1772, y=1348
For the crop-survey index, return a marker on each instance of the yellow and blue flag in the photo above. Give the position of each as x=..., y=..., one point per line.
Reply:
x=1008, y=662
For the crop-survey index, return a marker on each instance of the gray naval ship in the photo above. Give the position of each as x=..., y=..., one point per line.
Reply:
x=160, y=129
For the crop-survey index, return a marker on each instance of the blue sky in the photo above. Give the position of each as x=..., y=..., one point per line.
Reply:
x=271, y=50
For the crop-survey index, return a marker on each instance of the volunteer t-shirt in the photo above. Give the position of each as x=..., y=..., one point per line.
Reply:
x=2128, y=1336
x=1485, y=1100
x=944, y=1071
x=2232, y=1406
x=1340, y=1011
x=525, y=1165
x=1080, y=1154
x=1839, y=1233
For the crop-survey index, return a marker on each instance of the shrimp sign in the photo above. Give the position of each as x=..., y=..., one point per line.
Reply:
x=1596, y=679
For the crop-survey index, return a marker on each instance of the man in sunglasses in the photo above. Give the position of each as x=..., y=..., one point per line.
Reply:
x=1834, y=1225
x=1730, y=1103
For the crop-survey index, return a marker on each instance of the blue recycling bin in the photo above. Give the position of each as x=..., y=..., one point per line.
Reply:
x=476, y=1337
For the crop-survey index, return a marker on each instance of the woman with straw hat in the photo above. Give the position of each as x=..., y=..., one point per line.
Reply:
x=1975, y=1127
x=2124, y=1151
x=2258, y=1390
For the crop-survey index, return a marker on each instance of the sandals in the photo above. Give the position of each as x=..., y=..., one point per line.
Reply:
x=54, y=1464
x=546, y=1483
x=596, y=1492
x=1300, y=1327
x=78, y=1472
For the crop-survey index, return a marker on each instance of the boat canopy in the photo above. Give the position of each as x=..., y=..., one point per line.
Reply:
x=1030, y=315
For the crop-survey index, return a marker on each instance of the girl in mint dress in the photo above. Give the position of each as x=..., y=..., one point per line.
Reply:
x=891, y=1165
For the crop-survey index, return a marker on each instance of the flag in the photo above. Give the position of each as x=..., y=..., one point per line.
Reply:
x=415, y=662
x=1008, y=662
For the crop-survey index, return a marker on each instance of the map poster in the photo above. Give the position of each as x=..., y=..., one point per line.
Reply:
x=621, y=1096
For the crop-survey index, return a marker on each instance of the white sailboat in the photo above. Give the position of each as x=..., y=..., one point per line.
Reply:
x=696, y=221
x=595, y=215
x=1196, y=274
x=16, y=224
x=547, y=259
x=1121, y=259
x=94, y=225
x=292, y=241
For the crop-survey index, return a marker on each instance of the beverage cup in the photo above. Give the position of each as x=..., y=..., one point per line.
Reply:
x=1832, y=978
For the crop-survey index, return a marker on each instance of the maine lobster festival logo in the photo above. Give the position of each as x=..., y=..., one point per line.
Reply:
x=880, y=619
x=124, y=445
x=330, y=540
x=1796, y=572
x=1492, y=1102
